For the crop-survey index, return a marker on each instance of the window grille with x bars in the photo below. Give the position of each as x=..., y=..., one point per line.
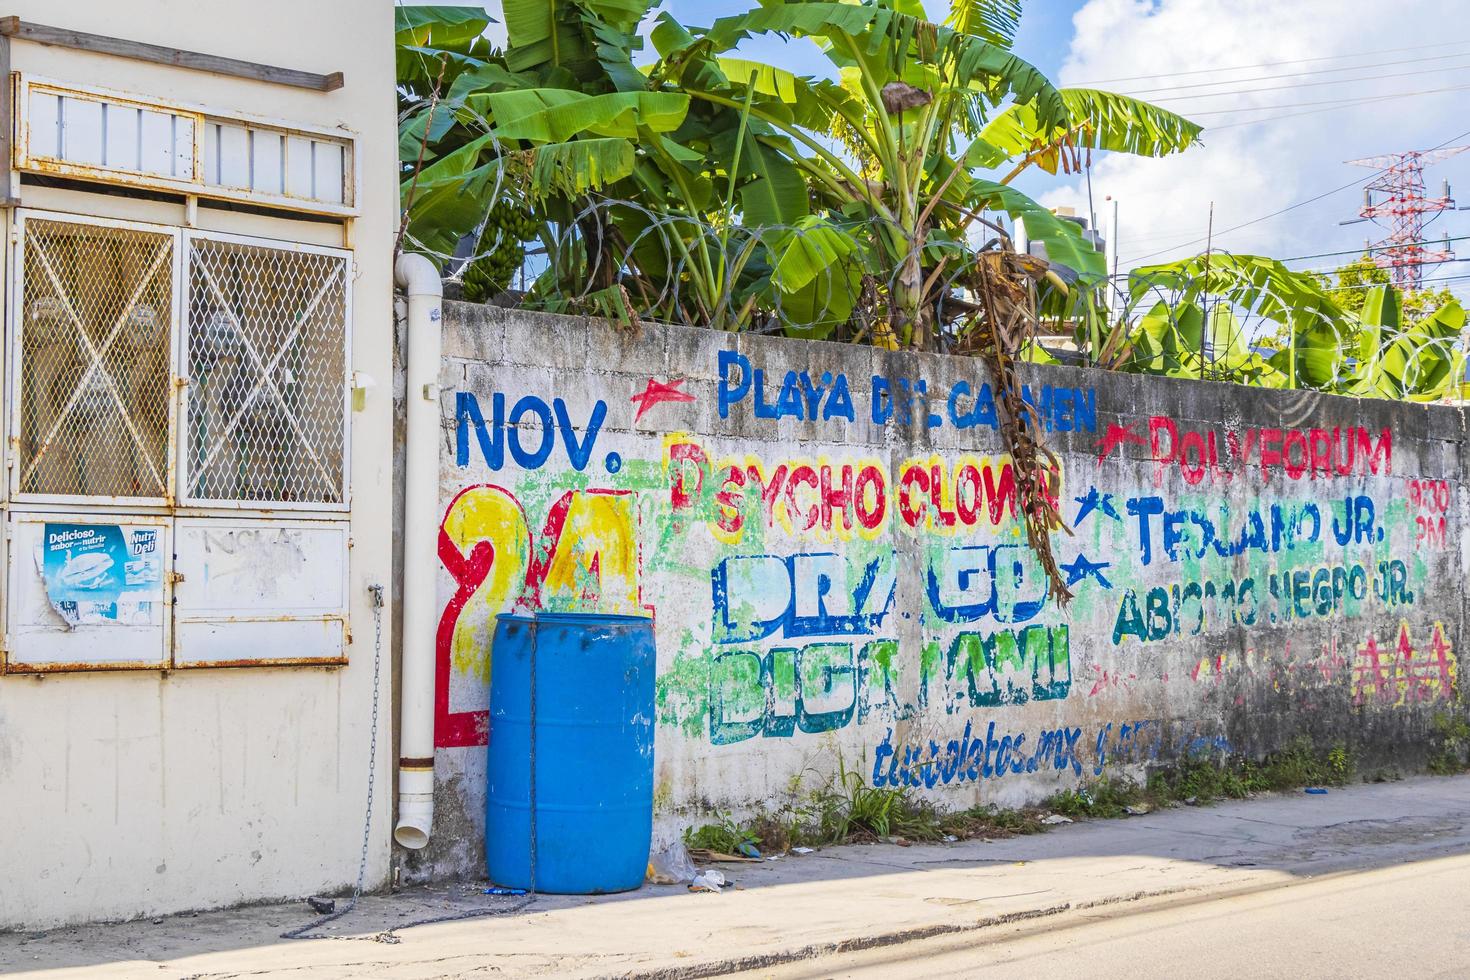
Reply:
x=110, y=314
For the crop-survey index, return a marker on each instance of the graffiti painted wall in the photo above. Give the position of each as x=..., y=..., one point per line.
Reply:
x=828, y=541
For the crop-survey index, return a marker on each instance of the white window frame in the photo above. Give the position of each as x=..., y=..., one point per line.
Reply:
x=201, y=116
x=184, y=475
x=15, y=315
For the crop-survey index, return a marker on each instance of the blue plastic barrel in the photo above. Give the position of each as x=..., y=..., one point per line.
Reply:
x=592, y=752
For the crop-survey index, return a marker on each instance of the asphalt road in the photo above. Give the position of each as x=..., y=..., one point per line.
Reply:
x=1402, y=921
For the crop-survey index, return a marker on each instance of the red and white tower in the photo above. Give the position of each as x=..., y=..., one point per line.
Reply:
x=1397, y=194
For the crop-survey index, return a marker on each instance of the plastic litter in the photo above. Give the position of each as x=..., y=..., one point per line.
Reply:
x=1138, y=809
x=497, y=890
x=802, y=850
x=950, y=838
x=708, y=880
x=1316, y=791
x=747, y=849
x=1052, y=819
x=671, y=866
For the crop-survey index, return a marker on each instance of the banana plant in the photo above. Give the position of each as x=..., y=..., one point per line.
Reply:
x=1251, y=320
x=894, y=153
x=1203, y=316
x=560, y=112
x=1421, y=360
x=635, y=193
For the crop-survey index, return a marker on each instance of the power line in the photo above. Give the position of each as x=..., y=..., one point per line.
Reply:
x=1291, y=207
x=1317, y=84
x=1273, y=64
x=1360, y=251
x=1345, y=104
x=1297, y=74
x=1328, y=272
x=1370, y=285
x=1339, y=103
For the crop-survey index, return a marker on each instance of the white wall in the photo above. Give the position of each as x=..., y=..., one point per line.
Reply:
x=144, y=792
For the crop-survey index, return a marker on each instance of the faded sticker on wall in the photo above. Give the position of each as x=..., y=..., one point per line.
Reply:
x=102, y=574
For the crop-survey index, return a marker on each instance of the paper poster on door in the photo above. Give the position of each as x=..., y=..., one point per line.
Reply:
x=103, y=574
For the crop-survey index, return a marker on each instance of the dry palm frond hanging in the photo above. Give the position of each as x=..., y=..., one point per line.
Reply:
x=1003, y=320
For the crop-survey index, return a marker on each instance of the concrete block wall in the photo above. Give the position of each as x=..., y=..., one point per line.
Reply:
x=825, y=535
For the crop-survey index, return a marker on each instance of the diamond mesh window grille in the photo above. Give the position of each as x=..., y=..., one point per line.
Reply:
x=266, y=341
x=95, y=330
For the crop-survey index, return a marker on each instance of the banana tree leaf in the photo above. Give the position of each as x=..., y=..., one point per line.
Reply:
x=816, y=277
x=812, y=313
x=812, y=102
x=685, y=187
x=1095, y=119
x=1321, y=361
x=539, y=33
x=449, y=198
x=575, y=167
x=614, y=47
x=625, y=15
x=899, y=39
x=808, y=251
x=1421, y=361
x=547, y=115
x=1381, y=312
x=995, y=21
x=482, y=77
x=411, y=132
x=441, y=26
x=686, y=58
x=1256, y=283
x=771, y=188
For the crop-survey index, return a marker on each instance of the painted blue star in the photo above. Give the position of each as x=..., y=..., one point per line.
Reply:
x=1095, y=500
x=1081, y=568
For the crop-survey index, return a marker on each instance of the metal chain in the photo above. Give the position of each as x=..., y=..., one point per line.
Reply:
x=389, y=935
x=367, y=817
x=304, y=932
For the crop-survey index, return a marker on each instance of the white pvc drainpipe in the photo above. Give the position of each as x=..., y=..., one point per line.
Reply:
x=420, y=280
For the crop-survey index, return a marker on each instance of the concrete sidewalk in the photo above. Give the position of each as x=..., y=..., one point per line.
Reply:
x=798, y=907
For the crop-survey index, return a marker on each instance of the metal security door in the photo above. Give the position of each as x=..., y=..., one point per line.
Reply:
x=93, y=339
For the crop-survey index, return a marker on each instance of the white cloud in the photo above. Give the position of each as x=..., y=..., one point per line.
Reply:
x=1249, y=171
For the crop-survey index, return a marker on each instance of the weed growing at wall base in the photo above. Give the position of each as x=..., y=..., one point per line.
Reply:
x=848, y=811
x=1203, y=779
x=1451, y=756
x=726, y=836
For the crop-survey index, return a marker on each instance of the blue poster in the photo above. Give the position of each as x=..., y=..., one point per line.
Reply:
x=102, y=572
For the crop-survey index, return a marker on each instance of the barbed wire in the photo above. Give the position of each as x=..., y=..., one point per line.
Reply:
x=827, y=279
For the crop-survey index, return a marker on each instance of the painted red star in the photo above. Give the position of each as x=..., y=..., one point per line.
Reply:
x=659, y=391
x=1116, y=436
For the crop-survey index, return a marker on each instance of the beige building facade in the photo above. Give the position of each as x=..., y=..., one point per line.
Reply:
x=197, y=464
